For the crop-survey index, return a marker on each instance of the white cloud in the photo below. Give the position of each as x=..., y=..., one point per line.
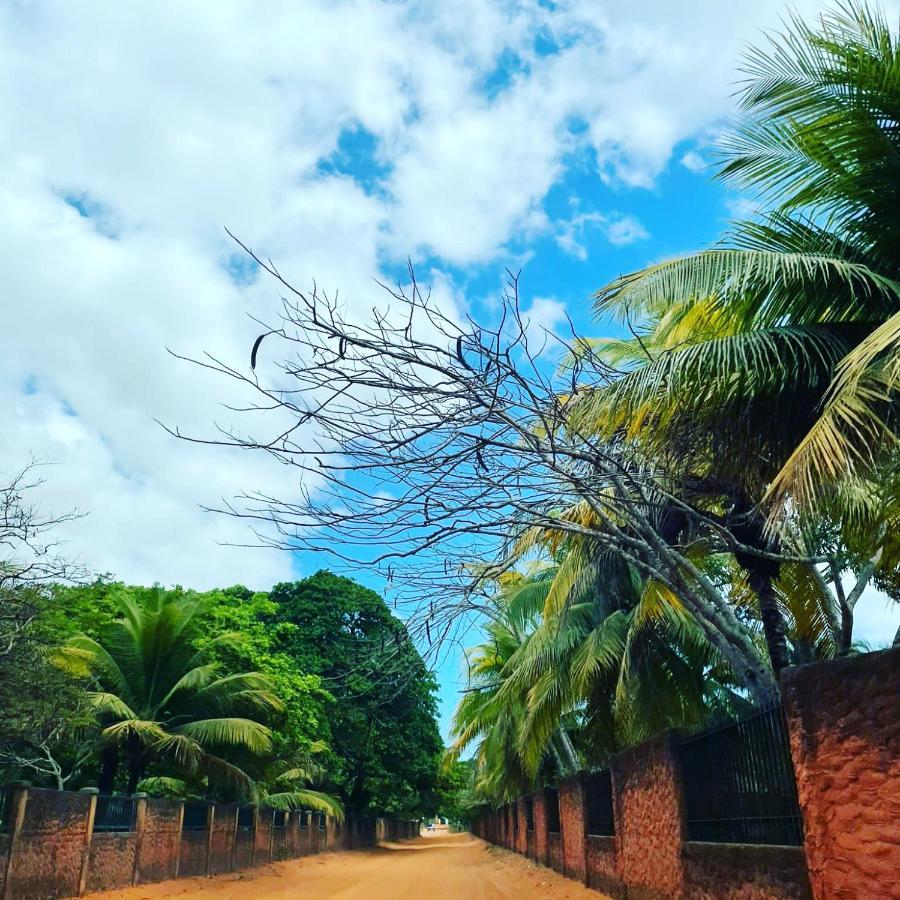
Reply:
x=166, y=122
x=694, y=162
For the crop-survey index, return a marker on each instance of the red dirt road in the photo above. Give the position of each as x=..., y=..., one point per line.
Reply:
x=444, y=865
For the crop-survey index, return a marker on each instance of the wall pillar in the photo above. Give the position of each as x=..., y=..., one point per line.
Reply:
x=180, y=833
x=18, y=802
x=649, y=813
x=540, y=828
x=210, y=823
x=843, y=720
x=572, y=822
x=522, y=844
x=88, y=837
x=140, y=824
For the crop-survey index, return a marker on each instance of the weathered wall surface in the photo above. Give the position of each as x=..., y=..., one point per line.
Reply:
x=111, y=862
x=744, y=872
x=649, y=819
x=192, y=853
x=539, y=811
x=602, y=872
x=844, y=721
x=159, y=843
x=222, y=839
x=55, y=853
x=554, y=852
x=51, y=846
x=571, y=815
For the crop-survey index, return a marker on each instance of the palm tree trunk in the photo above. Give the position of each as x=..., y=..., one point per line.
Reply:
x=762, y=584
x=109, y=766
x=569, y=758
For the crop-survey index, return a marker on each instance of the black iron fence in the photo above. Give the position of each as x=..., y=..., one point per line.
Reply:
x=196, y=817
x=598, y=805
x=115, y=813
x=739, y=783
x=279, y=818
x=245, y=818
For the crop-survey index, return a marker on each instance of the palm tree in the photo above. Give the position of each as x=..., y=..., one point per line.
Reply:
x=767, y=369
x=158, y=699
x=285, y=785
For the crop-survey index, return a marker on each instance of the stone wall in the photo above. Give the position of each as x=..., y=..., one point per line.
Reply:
x=844, y=722
x=844, y=729
x=51, y=850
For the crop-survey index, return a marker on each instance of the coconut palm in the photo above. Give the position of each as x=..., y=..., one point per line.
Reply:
x=159, y=699
x=286, y=784
x=767, y=368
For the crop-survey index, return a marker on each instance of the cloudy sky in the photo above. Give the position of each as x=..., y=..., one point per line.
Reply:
x=568, y=139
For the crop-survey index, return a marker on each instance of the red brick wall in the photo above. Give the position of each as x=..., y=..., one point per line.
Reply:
x=744, y=872
x=51, y=846
x=159, y=845
x=111, y=861
x=649, y=819
x=540, y=827
x=263, y=832
x=554, y=852
x=522, y=844
x=602, y=872
x=222, y=839
x=571, y=814
x=192, y=853
x=844, y=721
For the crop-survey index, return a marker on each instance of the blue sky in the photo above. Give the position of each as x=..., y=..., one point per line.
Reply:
x=564, y=139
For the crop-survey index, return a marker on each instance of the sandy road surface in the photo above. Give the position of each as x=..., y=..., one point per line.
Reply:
x=439, y=866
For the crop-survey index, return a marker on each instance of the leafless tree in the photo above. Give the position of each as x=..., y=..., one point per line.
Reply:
x=425, y=446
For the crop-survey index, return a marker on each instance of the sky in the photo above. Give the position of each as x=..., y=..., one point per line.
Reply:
x=571, y=141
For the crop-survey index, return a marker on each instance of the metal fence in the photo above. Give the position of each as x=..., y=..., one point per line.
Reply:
x=598, y=812
x=551, y=805
x=196, y=817
x=279, y=818
x=245, y=818
x=739, y=783
x=115, y=813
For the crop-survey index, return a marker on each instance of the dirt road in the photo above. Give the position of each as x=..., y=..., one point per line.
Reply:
x=454, y=866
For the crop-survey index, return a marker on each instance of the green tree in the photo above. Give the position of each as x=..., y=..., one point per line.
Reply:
x=159, y=698
x=383, y=725
x=766, y=370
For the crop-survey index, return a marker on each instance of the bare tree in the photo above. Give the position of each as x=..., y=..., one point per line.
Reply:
x=40, y=707
x=425, y=446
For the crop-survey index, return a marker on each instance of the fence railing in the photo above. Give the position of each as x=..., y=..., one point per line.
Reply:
x=598, y=812
x=115, y=813
x=739, y=783
x=196, y=817
x=245, y=818
x=279, y=818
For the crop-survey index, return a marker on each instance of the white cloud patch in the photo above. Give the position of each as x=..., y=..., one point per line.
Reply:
x=694, y=162
x=131, y=133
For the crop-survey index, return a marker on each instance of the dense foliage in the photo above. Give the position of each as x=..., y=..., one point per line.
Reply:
x=311, y=696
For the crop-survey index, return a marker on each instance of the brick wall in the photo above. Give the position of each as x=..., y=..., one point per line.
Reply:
x=648, y=814
x=844, y=721
x=540, y=827
x=844, y=727
x=159, y=843
x=744, y=872
x=52, y=851
x=50, y=848
x=571, y=814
